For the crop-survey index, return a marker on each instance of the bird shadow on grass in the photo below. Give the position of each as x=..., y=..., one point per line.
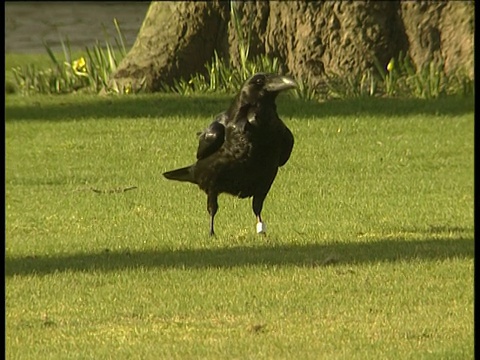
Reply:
x=158, y=106
x=309, y=255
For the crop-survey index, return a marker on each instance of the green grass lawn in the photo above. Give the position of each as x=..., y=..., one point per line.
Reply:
x=369, y=251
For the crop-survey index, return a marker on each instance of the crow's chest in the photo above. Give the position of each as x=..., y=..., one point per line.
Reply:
x=253, y=147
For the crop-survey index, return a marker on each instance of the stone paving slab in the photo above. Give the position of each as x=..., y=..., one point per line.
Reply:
x=27, y=24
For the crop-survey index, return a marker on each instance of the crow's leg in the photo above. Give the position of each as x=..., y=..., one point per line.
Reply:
x=257, y=205
x=212, y=207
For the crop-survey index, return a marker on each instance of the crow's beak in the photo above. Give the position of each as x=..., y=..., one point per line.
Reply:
x=279, y=83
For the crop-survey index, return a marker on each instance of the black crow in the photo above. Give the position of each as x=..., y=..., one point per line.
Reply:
x=241, y=151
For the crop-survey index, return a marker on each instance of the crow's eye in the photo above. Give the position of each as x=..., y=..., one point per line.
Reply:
x=260, y=81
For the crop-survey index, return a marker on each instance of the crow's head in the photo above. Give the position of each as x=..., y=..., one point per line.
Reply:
x=263, y=86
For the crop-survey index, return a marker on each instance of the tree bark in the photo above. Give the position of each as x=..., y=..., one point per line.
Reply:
x=176, y=39
x=310, y=39
x=440, y=30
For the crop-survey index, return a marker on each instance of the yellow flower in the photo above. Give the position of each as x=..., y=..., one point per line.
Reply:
x=391, y=65
x=79, y=66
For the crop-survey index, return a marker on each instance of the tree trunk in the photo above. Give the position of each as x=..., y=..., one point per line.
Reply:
x=176, y=39
x=310, y=39
x=440, y=30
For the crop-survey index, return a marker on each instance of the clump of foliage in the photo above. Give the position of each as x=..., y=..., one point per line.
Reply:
x=88, y=73
x=400, y=78
x=92, y=71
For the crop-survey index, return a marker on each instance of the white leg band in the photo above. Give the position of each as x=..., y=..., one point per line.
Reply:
x=261, y=228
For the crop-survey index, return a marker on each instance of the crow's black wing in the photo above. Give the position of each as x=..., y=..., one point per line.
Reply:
x=287, y=146
x=212, y=138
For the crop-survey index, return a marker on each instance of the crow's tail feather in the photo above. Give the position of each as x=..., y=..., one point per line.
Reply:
x=183, y=174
